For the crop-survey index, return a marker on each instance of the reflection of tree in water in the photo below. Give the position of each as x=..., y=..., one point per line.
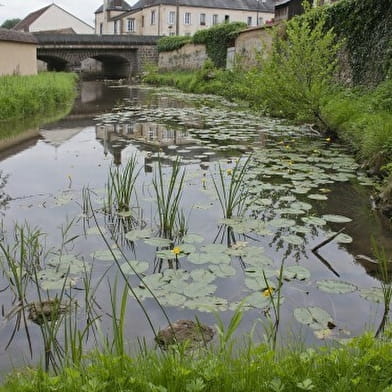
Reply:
x=4, y=198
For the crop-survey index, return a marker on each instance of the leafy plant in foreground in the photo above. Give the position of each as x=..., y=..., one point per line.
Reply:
x=232, y=194
x=168, y=196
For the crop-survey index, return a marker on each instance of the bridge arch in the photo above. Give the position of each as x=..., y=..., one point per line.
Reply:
x=54, y=63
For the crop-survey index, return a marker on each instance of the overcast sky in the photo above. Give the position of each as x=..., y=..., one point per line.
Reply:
x=83, y=9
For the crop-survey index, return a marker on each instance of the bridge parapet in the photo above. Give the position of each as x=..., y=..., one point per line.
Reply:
x=94, y=39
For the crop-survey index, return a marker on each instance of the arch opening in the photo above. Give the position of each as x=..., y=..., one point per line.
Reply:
x=107, y=66
x=52, y=63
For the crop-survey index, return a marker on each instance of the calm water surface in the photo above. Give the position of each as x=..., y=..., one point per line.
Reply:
x=294, y=178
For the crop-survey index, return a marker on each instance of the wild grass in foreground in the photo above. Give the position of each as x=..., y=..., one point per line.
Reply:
x=365, y=364
x=25, y=96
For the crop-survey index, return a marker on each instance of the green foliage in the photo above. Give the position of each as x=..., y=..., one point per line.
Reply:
x=166, y=44
x=217, y=39
x=362, y=365
x=24, y=96
x=295, y=79
x=10, y=23
x=363, y=119
x=366, y=27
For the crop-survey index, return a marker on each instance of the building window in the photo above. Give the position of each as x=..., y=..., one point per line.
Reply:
x=153, y=15
x=115, y=27
x=171, y=19
x=142, y=20
x=171, y=33
x=249, y=21
x=131, y=24
x=215, y=19
x=187, y=18
x=260, y=21
x=227, y=18
x=101, y=28
x=202, y=19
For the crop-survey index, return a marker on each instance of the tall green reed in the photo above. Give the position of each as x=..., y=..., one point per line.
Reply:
x=120, y=187
x=232, y=194
x=168, y=196
x=386, y=285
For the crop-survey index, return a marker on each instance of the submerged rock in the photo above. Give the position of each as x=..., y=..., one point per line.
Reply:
x=185, y=331
x=46, y=310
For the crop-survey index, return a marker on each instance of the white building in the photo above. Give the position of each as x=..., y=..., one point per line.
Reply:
x=53, y=18
x=179, y=17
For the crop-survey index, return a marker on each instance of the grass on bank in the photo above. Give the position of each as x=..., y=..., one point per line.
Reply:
x=28, y=96
x=365, y=364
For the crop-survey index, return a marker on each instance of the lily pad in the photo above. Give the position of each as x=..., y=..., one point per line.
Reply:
x=159, y=242
x=336, y=286
x=222, y=270
x=336, y=218
x=317, y=196
x=293, y=239
x=106, y=254
x=134, y=235
x=296, y=272
x=132, y=267
x=193, y=238
x=374, y=294
x=314, y=317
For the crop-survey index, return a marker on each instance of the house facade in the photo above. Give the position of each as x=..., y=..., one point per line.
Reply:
x=53, y=18
x=18, y=53
x=105, y=14
x=186, y=17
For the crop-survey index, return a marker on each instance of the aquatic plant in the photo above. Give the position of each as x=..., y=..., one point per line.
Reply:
x=231, y=190
x=386, y=285
x=168, y=196
x=120, y=187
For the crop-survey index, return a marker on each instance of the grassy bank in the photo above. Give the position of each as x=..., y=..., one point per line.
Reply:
x=28, y=96
x=365, y=364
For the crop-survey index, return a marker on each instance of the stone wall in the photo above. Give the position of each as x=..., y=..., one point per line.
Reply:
x=189, y=57
x=250, y=44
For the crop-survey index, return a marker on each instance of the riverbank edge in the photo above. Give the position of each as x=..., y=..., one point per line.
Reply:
x=24, y=97
x=345, y=117
x=363, y=364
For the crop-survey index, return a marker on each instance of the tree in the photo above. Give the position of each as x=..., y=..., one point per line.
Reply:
x=299, y=74
x=10, y=23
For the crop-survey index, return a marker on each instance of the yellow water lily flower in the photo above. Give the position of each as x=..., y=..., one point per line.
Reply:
x=268, y=292
x=328, y=139
x=176, y=250
x=229, y=172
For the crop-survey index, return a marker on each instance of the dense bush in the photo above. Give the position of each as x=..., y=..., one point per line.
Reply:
x=24, y=96
x=166, y=44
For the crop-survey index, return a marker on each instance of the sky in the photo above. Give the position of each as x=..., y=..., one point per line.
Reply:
x=83, y=9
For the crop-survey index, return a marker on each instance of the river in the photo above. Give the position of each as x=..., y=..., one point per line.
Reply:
x=300, y=188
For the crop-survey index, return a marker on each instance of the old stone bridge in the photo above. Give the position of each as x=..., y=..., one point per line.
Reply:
x=116, y=55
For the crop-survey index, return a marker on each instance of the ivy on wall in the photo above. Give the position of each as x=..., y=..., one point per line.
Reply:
x=167, y=44
x=366, y=28
x=217, y=39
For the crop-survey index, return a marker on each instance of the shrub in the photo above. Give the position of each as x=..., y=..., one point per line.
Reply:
x=166, y=44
